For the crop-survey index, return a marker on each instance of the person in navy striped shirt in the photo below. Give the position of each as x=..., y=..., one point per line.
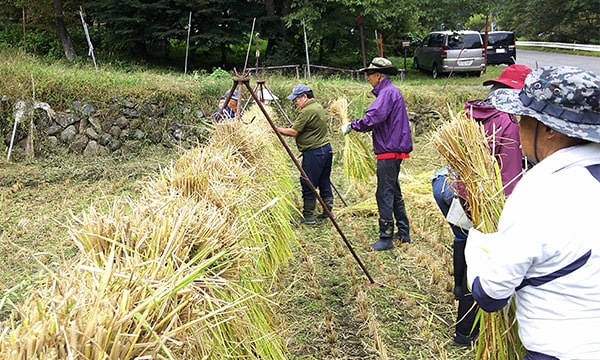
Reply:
x=546, y=252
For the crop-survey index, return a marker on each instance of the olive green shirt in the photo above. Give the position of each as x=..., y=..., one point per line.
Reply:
x=311, y=126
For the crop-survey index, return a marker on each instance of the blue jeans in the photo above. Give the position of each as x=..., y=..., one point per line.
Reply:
x=443, y=195
x=316, y=163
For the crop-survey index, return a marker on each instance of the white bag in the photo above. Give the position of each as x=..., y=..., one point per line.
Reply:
x=457, y=216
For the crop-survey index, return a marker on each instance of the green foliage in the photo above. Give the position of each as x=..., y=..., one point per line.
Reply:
x=37, y=41
x=566, y=21
x=156, y=32
x=448, y=14
x=477, y=22
x=11, y=36
x=219, y=74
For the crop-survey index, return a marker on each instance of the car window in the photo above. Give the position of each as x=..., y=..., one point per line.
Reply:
x=472, y=41
x=436, y=40
x=466, y=41
x=501, y=39
x=425, y=42
x=455, y=42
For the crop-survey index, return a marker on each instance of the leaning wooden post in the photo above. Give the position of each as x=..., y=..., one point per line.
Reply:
x=87, y=37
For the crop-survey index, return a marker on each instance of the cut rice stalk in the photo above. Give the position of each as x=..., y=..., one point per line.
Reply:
x=463, y=143
x=357, y=156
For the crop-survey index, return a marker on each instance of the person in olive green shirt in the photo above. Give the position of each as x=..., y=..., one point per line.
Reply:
x=312, y=139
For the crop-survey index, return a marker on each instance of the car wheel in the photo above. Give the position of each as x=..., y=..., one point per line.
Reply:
x=416, y=63
x=434, y=71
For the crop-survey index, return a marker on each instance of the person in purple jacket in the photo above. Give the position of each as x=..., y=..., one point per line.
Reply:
x=387, y=119
x=505, y=144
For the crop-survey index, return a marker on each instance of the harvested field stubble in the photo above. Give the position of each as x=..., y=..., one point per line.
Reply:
x=183, y=272
x=199, y=260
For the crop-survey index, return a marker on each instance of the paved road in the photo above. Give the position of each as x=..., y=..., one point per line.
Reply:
x=535, y=59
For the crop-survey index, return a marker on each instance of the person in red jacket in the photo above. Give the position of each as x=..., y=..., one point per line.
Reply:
x=504, y=142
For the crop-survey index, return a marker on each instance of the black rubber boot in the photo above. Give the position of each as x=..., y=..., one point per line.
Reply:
x=308, y=212
x=402, y=224
x=460, y=269
x=329, y=203
x=386, y=233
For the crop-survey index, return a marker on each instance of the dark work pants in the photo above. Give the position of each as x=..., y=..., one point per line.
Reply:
x=316, y=164
x=390, y=203
x=532, y=355
x=465, y=317
x=466, y=313
x=443, y=195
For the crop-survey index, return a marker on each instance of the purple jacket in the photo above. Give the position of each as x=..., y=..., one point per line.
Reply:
x=387, y=118
x=504, y=140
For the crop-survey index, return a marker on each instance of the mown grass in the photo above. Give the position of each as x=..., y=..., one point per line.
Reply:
x=329, y=311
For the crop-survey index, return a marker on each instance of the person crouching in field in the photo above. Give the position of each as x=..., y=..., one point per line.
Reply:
x=226, y=111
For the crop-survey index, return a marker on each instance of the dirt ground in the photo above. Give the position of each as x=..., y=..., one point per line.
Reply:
x=333, y=310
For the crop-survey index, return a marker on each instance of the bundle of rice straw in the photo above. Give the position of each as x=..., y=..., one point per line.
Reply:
x=462, y=142
x=357, y=156
x=185, y=270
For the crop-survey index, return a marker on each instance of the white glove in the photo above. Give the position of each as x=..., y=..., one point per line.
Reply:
x=346, y=128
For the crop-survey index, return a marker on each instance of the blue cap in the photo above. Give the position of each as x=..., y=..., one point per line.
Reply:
x=233, y=97
x=297, y=91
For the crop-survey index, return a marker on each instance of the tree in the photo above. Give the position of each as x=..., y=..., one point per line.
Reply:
x=63, y=33
x=42, y=16
x=156, y=30
x=333, y=27
x=448, y=14
x=272, y=28
x=560, y=20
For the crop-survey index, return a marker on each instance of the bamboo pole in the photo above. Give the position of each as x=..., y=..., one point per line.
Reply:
x=187, y=45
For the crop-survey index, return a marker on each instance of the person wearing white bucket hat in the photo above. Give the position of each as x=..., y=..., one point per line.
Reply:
x=546, y=252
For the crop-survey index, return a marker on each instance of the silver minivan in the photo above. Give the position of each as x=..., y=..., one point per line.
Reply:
x=450, y=52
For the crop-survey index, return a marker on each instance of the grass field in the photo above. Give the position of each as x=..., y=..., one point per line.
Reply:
x=329, y=308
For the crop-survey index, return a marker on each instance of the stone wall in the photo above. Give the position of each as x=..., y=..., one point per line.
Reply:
x=84, y=129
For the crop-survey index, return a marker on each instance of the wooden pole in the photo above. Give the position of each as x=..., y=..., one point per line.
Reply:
x=249, y=45
x=187, y=45
x=20, y=107
x=87, y=37
x=306, y=50
x=485, y=41
x=360, y=22
x=246, y=82
x=24, y=32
